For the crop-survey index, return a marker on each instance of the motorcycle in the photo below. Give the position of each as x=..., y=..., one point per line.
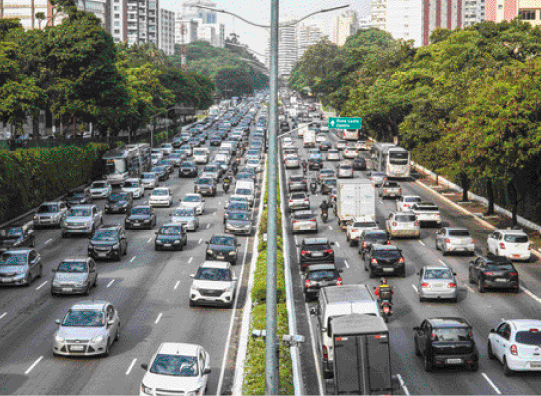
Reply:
x=313, y=187
x=226, y=186
x=386, y=308
x=324, y=216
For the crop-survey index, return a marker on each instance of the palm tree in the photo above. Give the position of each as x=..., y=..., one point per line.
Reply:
x=40, y=16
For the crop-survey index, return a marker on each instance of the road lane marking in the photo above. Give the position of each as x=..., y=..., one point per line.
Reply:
x=40, y=286
x=422, y=243
x=110, y=283
x=48, y=241
x=190, y=259
x=200, y=240
x=158, y=318
x=441, y=261
x=176, y=285
x=337, y=244
x=346, y=263
x=330, y=228
x=4, y=314
x=33, y=365
x=133, y=258
x=470, y=289
x=149, y=239
x=529, y=293
x=415, y=288
x=131, y=366
x=403, y=385
x=208, y=226
x=491, y=384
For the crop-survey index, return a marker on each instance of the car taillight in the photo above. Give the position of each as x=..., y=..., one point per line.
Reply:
x=290, y=200
x=364, y=245
x=354, y=230
x=339, y=282
x=489, y=273
x=472, y=241
x=425, y=284
x=295, y=221
x=529, y=247
x=325, y=353
x=513, y=274
x=513, y=349
x=304, y=253
x=416, y=223
x=388, y=242
x=307, y=283
x=329, y=251
x=447, y=241
x=401, y=260
x=373, y=261
x=384, y=190
x=502, y=245
x=405, y=205
x=451, y=285
x=394, y=223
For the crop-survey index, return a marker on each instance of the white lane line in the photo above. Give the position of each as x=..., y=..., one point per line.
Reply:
x=337, y=244
x=40, y=286
x=529, y=293
x=191, y=258
x=149, y=239
x=131, y=366
x=200, y=240
x=330, y=228
x=441, y=261
x=208, y=226
x=4, y=314
x=133, y=258
x=403, y=385
x=346, y=263
x=296, y=242
x=415, y=288
x=314, y=351
x=48, y=241
x=422, y=243
x=158, y=318
x=110, y=283
x=33, y=365
x=491, y=384
x=176, y=285
x=470, y=289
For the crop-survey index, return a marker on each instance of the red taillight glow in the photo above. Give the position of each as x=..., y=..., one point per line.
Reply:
x=416, y=223
x=490, y=273
x=447, y=241
x=405, y=205
x=373, y=261
x=472, y=241
x=388, y=242
x=325, y=353
x=425, y=284
x=451, y=285
x=304, y=253
x=513, y=273
x=502, y=245
x=394, y=223
x=401, y=260
x=364, y=245
x=307, y=283
x=513, y=349
x=330, y=251
x=339, y=282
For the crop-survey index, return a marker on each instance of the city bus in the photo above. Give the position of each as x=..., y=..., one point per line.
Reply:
x=350, y=134
x=393, y=161
x=125, y=162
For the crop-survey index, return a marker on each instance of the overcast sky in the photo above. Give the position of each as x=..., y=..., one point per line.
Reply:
x=258, y=11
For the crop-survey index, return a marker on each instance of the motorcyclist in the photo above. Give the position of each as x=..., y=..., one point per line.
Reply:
x=324, y=207
x=304, y=166
x=384, y=291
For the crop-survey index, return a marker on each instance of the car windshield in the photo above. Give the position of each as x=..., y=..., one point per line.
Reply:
x=438, y=274
x=532, y=337
x=131, y=184
x=117, y=197
x=106, y=235
x=175, y=365
x=149, y=175
x=11, y=232
x=187, y=164
x=298, y=196
x=238, y=206
x=160, y=192
x=238, y=216
x=303, y=215
x=459, y=233
x=405, y=218
x=365, y=224
x=499, y=266
x=140, y=211
x=214, y=274
x=84, y=318
x=99, y=185
x=427, y=208
x=330, y=182
x=253, y=162
x=183, y=212
x=10, y=258
x=77, y=194
x=222, y=240
x=79, y=212
x=205, y=181
x=388, y=254
x=322, y=275
x=191, y=198
x=72, y=266
x=171, y=230
x=317, y=246
x=378, y=174
x=412, y=199
x=516, y=238
x=48, y=208
x=450, y=335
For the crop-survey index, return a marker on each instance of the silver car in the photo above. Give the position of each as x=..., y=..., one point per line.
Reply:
x=238, y=223
x=89, y=328
x=100, y=189
x=195, y=201
x=333, y=155
x=82, y=219
x=214, y=283
x=403, y=224
x=298, y=200
x=187, y=217
x=50, y=214
x=454, y=239
x=377, y=178
x=20, y=267
x=303, y=221
x=406, y=202
x=292, y=161
x=390, y=189
x=437, y=283
x=345, y=169
x=74, y=275
x=149, y=180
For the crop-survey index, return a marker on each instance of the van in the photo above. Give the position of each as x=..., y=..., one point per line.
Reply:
x=201, y=155
x=334, y=302
x=247, y=189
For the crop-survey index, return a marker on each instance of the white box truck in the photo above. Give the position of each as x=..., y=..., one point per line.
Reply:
x=309, y=138
x=354, y=198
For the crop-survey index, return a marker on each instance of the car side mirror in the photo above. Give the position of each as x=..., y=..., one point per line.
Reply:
x=57, y=321
x=416, y=328
x=53, y=269
x=144, y=366
x=206, y=371
x=454, y=273
x=238, y=244
x=340, y=270
x=207, y=242
x=492, y=331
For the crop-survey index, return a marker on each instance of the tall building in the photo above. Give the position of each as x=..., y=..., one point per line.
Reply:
x=365, y=23
x=119, y=20
x=166, y=31
x=345, y=24
x=185, y=30
x=474, y=12
x=189, y=10
x=506, y=10
x=307, y=35
x=287, y=48
x=206, y=26
x=378, y=14
x=142, y=21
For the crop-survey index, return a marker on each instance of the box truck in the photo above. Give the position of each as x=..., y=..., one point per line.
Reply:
x=355, y=198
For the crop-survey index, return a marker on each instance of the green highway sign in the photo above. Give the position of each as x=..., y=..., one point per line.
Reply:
x=345, y=123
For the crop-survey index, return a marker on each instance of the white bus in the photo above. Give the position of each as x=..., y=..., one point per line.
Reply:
x=350, y=134
x=393, y=161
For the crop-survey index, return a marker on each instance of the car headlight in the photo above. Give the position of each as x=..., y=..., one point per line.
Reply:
x=209, y=251
x=232, y=253
x=176, y=242
x=87, y=223
x=58, y=338
x=116, y=246
x=159, y=241
x=97, y=339
x=56, y=216
x=146, y=221
x=194, y=288
x=80, y=284
x=145, y=389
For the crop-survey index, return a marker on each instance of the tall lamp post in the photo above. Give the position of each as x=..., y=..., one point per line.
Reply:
x=272, y=380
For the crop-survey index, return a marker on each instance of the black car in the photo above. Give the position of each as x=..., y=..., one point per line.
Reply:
x=78, y=197
x=206, y=186
x=215, y=141
x=222, y=247
x=161, y=172
x=284, y=126
x=17, y=236
x=446, y=342
x=371, y=237
x=141, y=217
x=328, y=184
x=317, y=276
x=119, y=202
x=325, y=145
x=315, y=250
x=188, y=169
x=359, y=164
x=108, y=242
x=315, y=164
x=385, y=260
x=171, y=236
x=495, y=272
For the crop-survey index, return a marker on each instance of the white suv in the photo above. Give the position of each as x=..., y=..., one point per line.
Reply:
x=358, y=226
x=215, y=284
x=403, y=224
x=406, y=202
x=516, y=344
x=513, y=244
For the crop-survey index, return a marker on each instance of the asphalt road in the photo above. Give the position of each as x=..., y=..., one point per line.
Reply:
x=150, y=291
x=482, y=311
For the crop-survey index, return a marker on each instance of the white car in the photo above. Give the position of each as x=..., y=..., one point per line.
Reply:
x=176, y=369
x=154, y=158
x=167, y=148
x=100, y=189
x=351, y=152
x=406, y=202
x=157, y=152
x=254, y=163
x=377, y=178
x=286, y=141
x=360, y=145
x=161, y=196
x=358, y=226
x=195, y=201
x=513, y=244
x=134, y=186
x=403, y=224
x=321, y=138
x=292, y=161
x=215, y=284
x=149, y=180
x=516, y=344
x=333, y=155
x=345, y=169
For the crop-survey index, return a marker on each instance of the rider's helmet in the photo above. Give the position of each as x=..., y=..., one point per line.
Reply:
x=383, y=281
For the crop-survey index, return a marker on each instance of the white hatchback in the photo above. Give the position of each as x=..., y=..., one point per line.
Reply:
x=195, y=201
x=134, y=186
x=513, y=244
x=161, y=196
x=406, y=202
x=351, y=152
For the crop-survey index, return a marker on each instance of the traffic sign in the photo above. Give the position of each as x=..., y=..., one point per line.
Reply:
x=345, y=123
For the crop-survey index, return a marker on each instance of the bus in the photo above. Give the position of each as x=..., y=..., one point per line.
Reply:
x=125, y=162
x=350, y=134
x=392, y=160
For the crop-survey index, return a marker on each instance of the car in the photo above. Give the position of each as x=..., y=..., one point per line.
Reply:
x=213, y=170
x=109, y=241
x=206, y=185
x=328, y=184
x=333, y=155
x=495, y=272
x=237, y=206
x=403, y=224
x=255, y=164
x=287, y=141
x=167, y=148
x=187, y=217
x=315, y=250
x=77, y=197
x=324, y=173
x=390, y=189
x=341, y=145
x=154, y=158
x=195, y=201
x=427, y=213
x=176, y=158
x=141, y=216
x=370, y=237
x=303, y=221
x=161, y=196
x=446, y=341
x=377, y=178
x=357, y=226
x=437, y=282
x=89, y=328
x=82, y=219
x=17, y=235
x=134, y=186
x=222, y=247
x=455, y=240
x=351, y=152
x=321, y=137
x=50, y=214
x=384, y=260
x=176, y=369
x=406, y=202
x=171, y=236
x=188, y=169
x=325, y=145
x=20, y=266
x=161, y=172
x=361, y=145
x=298, y=201
x=297, y=183
x=100, y=189
x=315, y=162
x=292, y=161
x=317, y=276
x=236, y=198
x=513, y=244
x=238, y=223
x=359, y=164
x=187, y=150
x=149, y=180
x=119, y=202
x=74, y=275
x=169, y=165
x=345, y=169
x=291, y=150
x=215, y=283
x=515, y=343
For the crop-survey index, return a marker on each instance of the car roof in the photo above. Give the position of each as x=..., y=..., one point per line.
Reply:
x=107, y=226
x=73, y=258
x=456, y=229
x=132, y=179
x=97, y=305
x=83, y=206
x=215, y=264
x=448, y=322
x=378, y=246
x=162, y=188
x=172, y=223
x=436, y=267
x=363, y=218
x=512, y=232
x=314, y=241
x=178, y=348
x=142, y=206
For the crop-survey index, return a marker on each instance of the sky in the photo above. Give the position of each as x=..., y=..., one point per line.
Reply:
x=258, y=11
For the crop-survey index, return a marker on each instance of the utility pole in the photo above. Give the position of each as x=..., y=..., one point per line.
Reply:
x=183, y=45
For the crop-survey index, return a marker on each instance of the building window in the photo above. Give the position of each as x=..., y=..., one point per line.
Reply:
x=117, y=23
x=527, y=15
x=117, y=31
x=117, y=16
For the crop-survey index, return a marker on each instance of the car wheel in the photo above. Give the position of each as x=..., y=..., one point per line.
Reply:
x=191, y=303
x=33, y=242
x=106, y=353
x=64, y=235
x=40, y=273
x=157, y=248
x=481, y=284
x=470, y=278
x=428, y=364
x=516, y=290
x=444, y=250
x=87, y=290
x=474, y=366
x=490, y=353
x=117, y=335
x=506, y=370
x=27, y=280
x=370, y=274
x=416, y=348
x=95, y=282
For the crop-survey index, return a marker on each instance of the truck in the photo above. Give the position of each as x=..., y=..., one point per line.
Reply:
x=355, y=198
x=302, y=130
x=362, y=358
x=309, y=138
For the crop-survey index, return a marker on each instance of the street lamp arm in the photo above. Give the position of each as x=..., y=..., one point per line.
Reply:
x=313, y=13
x=233, y=14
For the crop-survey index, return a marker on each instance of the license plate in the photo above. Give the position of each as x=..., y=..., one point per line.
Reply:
x=453, y=361
x=102, y=254
x=535, y=364
x=501, y=280
x=317, y=254
x=305, y=227
x=67, y=289
x=516, y=255
x=6, y=280
x=220, y=257
x=167, y=245
x=388, y=269
x=77, y=347
x=437, y=285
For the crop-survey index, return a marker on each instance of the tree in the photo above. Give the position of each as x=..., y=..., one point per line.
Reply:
x=40, y=16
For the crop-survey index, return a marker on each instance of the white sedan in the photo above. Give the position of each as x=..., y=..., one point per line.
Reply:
x=351, y=152
x=195, y=201
x=100, y=189
x=134, y=186
x=292, y=161
x=161, y=197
